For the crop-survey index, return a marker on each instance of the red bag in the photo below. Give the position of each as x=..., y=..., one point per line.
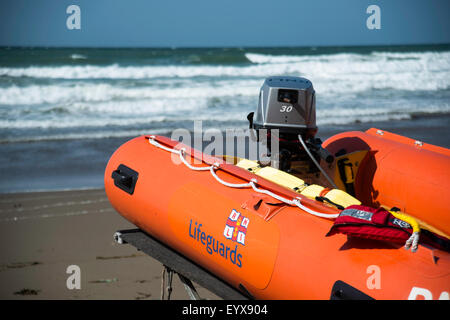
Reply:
x=366, y=222
x=380, y=224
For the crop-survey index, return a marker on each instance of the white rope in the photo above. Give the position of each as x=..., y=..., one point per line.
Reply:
x=251, y=183
x=413, y=242
x=156, y=144
x=181, y=153
x=273, y=195
x=315, y=213
x=231, y=185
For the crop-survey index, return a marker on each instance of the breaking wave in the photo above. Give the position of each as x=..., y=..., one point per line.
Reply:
x=60, y=100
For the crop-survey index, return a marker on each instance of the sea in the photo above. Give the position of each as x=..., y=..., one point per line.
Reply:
x=63, y=111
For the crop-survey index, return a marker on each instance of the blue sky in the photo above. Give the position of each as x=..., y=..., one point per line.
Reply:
x=212, y=23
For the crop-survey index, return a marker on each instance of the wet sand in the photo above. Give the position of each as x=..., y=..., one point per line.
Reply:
x=42, y=233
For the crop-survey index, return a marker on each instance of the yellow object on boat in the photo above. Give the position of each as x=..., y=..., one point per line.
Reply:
x=314, y=191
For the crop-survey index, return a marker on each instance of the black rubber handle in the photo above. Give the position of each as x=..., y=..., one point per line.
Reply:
x=125, y=178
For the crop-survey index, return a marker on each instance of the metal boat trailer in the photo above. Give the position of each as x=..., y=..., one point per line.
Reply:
x=188, y=271
x=175, y=263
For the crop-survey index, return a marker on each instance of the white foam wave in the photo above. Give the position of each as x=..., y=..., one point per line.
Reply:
x=346, y=115
x=77, y=56
x=331, y=73
x=365, y=87
x=76, y=123
x=84, y=135
x=98, y=92
x=144, y=113
x=266, y=58
x=146, y=127
x=125, y=72
x=347, y=72
x=123, y=114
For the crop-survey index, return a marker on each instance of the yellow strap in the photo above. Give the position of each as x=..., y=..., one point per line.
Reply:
x=413, y=240
x=423, y=224
x=413, y=222
x=349, y=176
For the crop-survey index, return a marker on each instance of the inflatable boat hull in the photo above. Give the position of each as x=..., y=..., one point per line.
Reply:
x=265, y=249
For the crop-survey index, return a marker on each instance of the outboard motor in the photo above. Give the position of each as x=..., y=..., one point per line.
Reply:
x=288, y=104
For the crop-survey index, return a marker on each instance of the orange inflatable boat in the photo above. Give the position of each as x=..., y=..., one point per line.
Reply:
x=268, y=240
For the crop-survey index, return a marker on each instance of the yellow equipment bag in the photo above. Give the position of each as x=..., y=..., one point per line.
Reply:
x=336, y=197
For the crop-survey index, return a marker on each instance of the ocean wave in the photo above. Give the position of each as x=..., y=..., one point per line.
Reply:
x=116, y=71
x=84, y=135
x=99, y=92
x=70, y=101
x=344, y=72
x=267, y=58
x=326, y=83
x=149, y=127
x=327, y=89
x=137, y=114
x=77, y=56
x=123, y=115
x=81, y=122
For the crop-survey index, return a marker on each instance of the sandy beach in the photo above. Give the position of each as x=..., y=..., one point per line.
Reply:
x=43, y=233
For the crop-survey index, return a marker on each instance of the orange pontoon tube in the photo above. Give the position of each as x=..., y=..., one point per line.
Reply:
x=272, y=249
x=400, y=172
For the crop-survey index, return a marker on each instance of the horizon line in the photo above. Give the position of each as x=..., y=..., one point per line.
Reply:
x=221, y=47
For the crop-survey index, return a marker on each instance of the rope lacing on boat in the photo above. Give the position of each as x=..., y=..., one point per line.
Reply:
x=251, y=184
